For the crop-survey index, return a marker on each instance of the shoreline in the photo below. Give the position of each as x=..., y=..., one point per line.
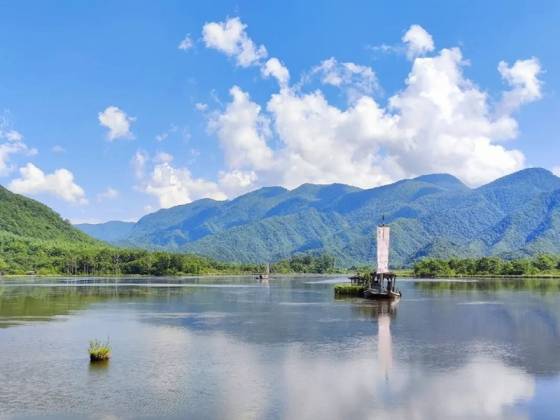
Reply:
x=407, y=275
x=140, y=276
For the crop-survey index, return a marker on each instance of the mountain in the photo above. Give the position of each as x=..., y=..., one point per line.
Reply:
x=113, y=231
x=431, y=215
x=23, y=217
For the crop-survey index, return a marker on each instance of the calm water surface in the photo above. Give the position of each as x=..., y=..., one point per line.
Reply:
x=236, y=348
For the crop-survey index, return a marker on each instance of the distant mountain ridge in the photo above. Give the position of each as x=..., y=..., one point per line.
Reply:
x=431, y=215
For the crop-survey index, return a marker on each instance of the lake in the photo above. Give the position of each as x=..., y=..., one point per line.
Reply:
x=237, y=348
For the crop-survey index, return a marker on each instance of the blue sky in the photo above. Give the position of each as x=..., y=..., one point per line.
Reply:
x=103, y=116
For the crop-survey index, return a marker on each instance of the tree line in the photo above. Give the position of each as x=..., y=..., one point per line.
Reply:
x=543, y=264
x=28, y=256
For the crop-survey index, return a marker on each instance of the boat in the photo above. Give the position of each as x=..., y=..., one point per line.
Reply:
x=383, y=287
x=266, y=274
x=380, y=284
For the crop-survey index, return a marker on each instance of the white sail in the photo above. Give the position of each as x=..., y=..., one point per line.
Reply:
x=383, y=249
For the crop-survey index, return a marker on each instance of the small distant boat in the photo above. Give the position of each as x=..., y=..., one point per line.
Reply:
x=266, y=274
x=381, y=284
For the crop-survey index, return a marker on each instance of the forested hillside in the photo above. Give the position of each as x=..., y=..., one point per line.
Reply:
x=28, y=218
x=431, y=216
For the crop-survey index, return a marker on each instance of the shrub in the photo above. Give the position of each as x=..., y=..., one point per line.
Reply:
x=347, y=289
x=99, y=351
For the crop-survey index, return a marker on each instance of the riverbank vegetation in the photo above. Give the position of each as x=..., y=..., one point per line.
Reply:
x=348, y=290
x=541, y=265
x=99, y=351
x=20, y=255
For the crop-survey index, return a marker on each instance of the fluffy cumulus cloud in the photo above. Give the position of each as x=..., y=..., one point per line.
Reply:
x=170, y=185
x=231, y=38
x=417, y=41
x=60, y=183
x=440, y=121
x=358, y=80
x=118, y=123
x=242, y=131
x=523, y=78
x=274, y=68
x=445, y=124
x=11, y=143
x=173, y=186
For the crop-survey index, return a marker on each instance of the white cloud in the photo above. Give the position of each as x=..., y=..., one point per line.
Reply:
x=323, y=144
x=230, y=38
x=358, y=80
x=418, y=41
x=109, y=194
x=11, y=143
x=556, y=170
x=13, y=135
x=242, y=132
x=117, y=122
x=445, y=124
x=138, y=162
x=186, y=44
x=440, y=122
x=60, y=184
x=385, y=48
x=173, y=186
x=7, y=149
x=58, y=149
x=199, y=106
x=236, y=182
x=273, y=67
x=523, y=78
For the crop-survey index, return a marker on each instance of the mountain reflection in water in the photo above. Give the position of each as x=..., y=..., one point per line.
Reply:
x=236, y=348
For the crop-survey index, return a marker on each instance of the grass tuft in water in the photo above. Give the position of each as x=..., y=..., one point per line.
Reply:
x=348, y=290
x=99, y=351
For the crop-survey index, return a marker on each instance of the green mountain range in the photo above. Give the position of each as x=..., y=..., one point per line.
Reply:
x=432, y=215
x=22, y=217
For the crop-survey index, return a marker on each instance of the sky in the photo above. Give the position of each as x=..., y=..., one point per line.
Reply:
x=109, y=111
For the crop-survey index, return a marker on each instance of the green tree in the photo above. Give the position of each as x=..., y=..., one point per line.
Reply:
x=544, y=262
x=3, y=265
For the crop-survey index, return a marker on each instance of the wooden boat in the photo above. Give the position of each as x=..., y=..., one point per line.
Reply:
x=383, y=287
x=381, y=295
x=381, y=284
x=265, y=275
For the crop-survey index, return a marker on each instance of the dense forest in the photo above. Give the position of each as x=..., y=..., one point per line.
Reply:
x=36, y=240
x=544, y=264
x=31, y=256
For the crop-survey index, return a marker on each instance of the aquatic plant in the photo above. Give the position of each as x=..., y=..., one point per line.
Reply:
x=348, y=290
x=99, y=351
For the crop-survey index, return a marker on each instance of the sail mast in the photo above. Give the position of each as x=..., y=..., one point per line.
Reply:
x=383, y=233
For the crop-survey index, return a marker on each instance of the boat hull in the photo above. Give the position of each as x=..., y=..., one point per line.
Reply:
x=381, y=295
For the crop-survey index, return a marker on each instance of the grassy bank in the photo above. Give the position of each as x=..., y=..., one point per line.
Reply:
x=348, y=290
x=541, y=266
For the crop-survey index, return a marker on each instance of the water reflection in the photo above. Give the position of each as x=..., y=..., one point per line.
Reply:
x=283, y=350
